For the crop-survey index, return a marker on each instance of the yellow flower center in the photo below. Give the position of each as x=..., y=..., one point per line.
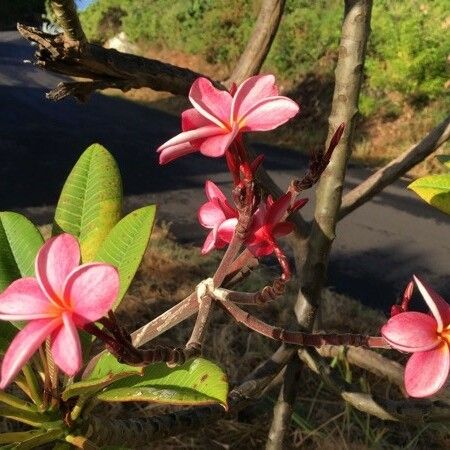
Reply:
x=445, y=334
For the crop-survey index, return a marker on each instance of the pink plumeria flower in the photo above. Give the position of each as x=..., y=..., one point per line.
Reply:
x=427, y=337
x=64, y=296
x=268, y=223
x=217, y=117
x=215, y=214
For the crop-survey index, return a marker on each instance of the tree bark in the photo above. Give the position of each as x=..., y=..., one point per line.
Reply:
x=349, y=71
x=259, y=44
x=67, y=17
x=395, y=169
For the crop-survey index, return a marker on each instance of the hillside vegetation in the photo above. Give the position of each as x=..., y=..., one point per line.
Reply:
x=407, y=67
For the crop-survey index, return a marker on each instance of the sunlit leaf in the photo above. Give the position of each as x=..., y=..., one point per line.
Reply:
x=20, y=241
x=125, y=245
x=91, y=200
x=197, y=382
x=435, y=190
x=92, y=385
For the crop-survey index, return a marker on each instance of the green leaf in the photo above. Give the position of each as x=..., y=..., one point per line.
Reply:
x=435, y=190
x=197, y=382
x=107, y=365
x=92, y=385
x=444, y=159
x=20, y=241
x=40, y=439
x=91, y=200
x=125, y=245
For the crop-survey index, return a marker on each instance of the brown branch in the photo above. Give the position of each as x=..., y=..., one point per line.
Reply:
x=104, y=67
x=349, y=70
x=367, y=360
x=282, y=410
x=298, y=337
x=409, y=411
x=67, y=17
x=259, y=44
x=395, y=169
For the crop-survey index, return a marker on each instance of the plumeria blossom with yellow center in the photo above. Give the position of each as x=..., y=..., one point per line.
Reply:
x=427, y=337
x=64, y=296
x=218, y=117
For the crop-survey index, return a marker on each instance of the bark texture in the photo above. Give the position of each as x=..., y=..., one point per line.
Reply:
x=259, y=44
x=395, y=169
x=349, y=72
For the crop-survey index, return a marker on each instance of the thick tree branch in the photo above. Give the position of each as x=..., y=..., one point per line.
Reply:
x=104, y=67
x=259, y=44
x=395, y=169
x=282, y=410
x=67, y=17
x=349, y=70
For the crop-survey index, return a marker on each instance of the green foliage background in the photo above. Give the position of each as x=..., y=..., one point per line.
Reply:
x=408, y=47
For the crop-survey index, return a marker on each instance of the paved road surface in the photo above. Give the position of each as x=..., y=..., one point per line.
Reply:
x=378, y=247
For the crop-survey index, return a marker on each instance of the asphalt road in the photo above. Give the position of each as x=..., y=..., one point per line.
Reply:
x=378, y=247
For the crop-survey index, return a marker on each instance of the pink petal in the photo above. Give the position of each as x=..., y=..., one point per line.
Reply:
x=210, y=214
x=24, y=300
x=213, y=191
x=24, y=345
x=260, y=248
x=191, y=119
x=427, y=372
x=192, y=135
x=411, y=332
x=438, y=306
x=91, y=289
x=176, y=151
x=55, y=260
x=269, y=114
x=216, y=146
x=250, y=92
x=211, y=103
x=208, y=245
x=282, y=229
x=66, y=347
x=226, y=230
x=278, y=209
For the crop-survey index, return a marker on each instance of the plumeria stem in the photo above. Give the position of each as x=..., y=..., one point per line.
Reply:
x=18, y=403
x=201, y=323
x=34, y=386
x=300, y=338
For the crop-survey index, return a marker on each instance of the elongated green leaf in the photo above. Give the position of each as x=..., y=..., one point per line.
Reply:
x=19, y=436
x=435, y=190
x=20, y=241
x=125, y=245
x=40, y=439
x=197, y=382
x=91, y=200
x=444, y=160
x=93, y=385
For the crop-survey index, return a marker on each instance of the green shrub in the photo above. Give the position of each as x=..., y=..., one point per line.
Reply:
x=407, y=50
